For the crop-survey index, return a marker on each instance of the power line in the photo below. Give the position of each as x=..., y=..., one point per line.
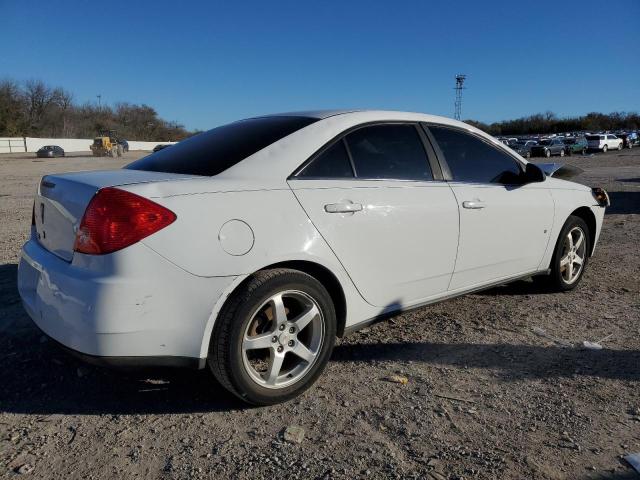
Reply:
x=459, y=87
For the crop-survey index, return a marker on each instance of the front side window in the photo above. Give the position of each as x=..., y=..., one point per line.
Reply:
x=212, y=152
x=470, y=159
x=389, y=151
x=332, y=163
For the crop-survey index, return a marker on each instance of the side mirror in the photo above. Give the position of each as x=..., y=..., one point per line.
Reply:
x=533, y=174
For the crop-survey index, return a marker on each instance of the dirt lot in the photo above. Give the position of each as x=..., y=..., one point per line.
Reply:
x=486, y=398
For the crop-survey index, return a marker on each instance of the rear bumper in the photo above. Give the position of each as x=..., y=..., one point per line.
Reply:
x=133, y=362
x=145, y=311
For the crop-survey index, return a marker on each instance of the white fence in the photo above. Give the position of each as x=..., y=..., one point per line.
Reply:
x=31, y=144
x=12, y=145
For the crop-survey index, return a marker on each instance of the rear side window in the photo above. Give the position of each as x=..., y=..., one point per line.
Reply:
x=391, y=151
x=332, y=163
x=212, y=152
x=472, y=160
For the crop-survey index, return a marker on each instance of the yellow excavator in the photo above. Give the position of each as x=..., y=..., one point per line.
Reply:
x=106, y=144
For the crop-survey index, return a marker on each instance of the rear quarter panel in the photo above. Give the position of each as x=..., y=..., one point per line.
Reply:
x=281, y=232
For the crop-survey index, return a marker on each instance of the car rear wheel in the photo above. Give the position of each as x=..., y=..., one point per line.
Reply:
x=605, y=148
x=547, y=153
x=584, y=151
x=562, y=152
x=619, y=146
x=274, y=336
x=570, y=256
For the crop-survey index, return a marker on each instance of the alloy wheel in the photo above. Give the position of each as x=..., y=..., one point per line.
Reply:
x=573, y=256
x=283, y=339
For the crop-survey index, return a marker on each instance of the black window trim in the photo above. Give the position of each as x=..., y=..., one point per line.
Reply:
x=434, y=165
x=443, y=161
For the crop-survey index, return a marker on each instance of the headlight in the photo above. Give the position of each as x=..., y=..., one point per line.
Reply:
x=601, y=196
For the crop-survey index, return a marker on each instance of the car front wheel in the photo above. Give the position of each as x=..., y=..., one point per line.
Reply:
x=605, y=148
x=562, y=153
x=570, y=256
x=274, y=336
x=547, y=153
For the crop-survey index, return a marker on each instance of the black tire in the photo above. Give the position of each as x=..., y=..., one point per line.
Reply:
x=605, y=148
x=562, y=152
x=555, y=282
x=225, y=357
x=547, y=153
x=584, y=151
x=528, y=155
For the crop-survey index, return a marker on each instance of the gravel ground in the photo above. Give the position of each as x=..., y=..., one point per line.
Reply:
x=486, y=397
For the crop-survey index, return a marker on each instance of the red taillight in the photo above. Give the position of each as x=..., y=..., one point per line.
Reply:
x=115, y=219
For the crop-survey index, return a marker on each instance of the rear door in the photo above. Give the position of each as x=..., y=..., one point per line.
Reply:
x=504, y=225
x=383, y=208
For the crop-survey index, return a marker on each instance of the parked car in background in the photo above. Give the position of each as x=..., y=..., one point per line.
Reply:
x=157, y=148
x=50, y=151
x=549, y=147
x=627, y=139
x=249, y=248
x=125, y=145
x=576, y=145
x=523, y=147
x=604, y=142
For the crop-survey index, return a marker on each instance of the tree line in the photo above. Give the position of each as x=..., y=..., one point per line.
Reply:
x=34, y=109
x=543, y=123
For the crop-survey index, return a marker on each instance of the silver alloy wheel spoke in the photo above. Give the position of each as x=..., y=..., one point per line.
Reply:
x=579, y=240
x=275, y=365
x=564, y=261
x=306, y=318
x=570, y=240
x=258, y=341
x=279, y=311
x=577, y=260
x=303, y=352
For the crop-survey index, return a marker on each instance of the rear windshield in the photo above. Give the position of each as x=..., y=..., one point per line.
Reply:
x=569, y=141
x=594, y=137
x=212, y=152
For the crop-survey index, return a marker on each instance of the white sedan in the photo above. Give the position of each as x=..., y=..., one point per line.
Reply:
x=250, y=247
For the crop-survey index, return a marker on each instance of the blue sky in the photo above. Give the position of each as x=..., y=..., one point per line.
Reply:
x=204, y=63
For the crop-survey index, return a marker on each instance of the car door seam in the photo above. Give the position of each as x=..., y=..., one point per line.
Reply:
x=293, y=192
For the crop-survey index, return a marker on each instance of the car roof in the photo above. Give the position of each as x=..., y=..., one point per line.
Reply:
x=318, y=114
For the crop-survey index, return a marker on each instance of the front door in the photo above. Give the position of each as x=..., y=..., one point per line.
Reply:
x=504, y=224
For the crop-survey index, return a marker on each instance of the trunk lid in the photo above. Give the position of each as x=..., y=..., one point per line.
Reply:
x=62, y=199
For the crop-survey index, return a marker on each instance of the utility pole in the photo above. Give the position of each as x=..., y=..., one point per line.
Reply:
x=459, y=87
x=99, y=101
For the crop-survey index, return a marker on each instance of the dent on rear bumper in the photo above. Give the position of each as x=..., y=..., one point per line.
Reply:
x=144, y=306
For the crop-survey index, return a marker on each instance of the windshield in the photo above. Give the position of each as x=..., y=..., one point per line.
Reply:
x=212, y=152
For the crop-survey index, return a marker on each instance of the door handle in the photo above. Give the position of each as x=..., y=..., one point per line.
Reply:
x=473, y=205
x=345, y=207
